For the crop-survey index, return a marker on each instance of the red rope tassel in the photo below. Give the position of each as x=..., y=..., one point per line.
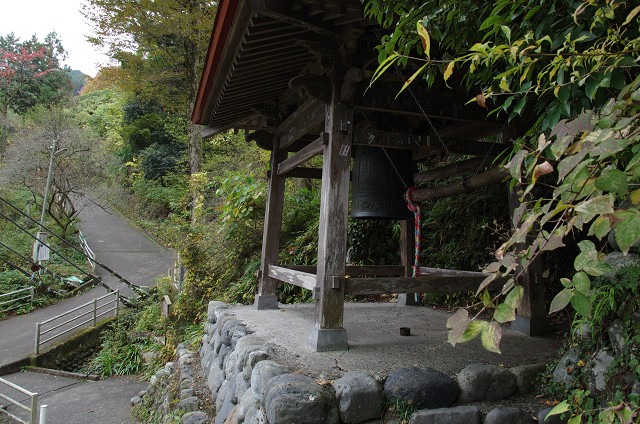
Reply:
x=415, y=208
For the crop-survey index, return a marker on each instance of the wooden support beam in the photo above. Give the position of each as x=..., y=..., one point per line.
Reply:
x=393, y=270
x=279, y=11
x=309, y=151
x=328, y=333
x=531, y=315
x=378, y=138
x=266, y=296
x=358, y=270
x=309, y=114
x=311, y=173
x=312, y=85
x=398, y=140
x=451, y=170
x=407, y=259
x=419, y=114
x=491, y=177
x=422, y=284
x=424, y=270
x=473, y=147
x=299, y=278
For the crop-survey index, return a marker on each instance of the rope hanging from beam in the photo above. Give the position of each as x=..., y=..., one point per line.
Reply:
x=415, y=208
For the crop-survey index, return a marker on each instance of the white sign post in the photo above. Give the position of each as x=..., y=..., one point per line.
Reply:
x=40, y=251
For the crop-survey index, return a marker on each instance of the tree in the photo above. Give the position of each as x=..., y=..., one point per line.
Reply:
x=30, y=74
x=575, y=61
x=160, y=45
x=567, y=73
x=78, y=162
x=78, y=80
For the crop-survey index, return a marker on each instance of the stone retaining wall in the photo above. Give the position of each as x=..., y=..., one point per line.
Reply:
x=248, y=387
x=175, y=393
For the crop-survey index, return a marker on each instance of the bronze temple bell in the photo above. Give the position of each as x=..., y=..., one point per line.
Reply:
x=379, y=178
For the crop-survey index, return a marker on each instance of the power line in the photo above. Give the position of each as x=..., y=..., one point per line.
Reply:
x=106, y=268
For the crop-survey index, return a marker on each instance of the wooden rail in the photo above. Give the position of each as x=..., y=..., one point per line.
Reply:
x=431, y=280
x=291, y=276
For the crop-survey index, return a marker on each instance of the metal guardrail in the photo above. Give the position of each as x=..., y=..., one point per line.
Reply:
x=32, y=409
x=17, y=299
x=93, y=307
x=91, y=257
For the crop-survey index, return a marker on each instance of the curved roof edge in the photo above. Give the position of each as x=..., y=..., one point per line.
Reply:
x=221, y=28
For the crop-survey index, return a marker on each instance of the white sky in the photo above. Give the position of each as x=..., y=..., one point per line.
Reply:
x=40, y=17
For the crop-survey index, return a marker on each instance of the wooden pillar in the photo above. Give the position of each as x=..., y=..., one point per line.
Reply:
x=266, y=297
x=531, y=316
x=327, y=332
x=407, y=254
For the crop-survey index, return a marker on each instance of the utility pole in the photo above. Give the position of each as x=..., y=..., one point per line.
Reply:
x=41, y=235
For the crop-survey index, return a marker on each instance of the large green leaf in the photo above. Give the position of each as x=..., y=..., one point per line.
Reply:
x=582, y=283
x=560, y=301
x=504, y=313
x=628, y=232
x=473, y=329
x=600, y=205
x=560, y=408
x=597, y=267
x=491, y=336
x=457, y=325
x=613, y=180
x=514, y=297
x=590, y=86
x=600, y=227
x=582, y=304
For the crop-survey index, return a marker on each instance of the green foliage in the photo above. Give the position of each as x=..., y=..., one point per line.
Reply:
x=462, y=232
x=399, y=409
x=31, y=73
x=575, y=56
x=17, y=240
x=119, y=352
x=373, y=242
x=159, y=46
x=145, y=329
x=159, y=197
x=101, y=113
x=143, y=126
x=78, y=80
x=243, y=207
x=613, y=300
x=157, y=160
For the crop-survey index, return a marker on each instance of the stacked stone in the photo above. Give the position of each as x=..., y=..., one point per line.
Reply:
x=248, y=387
x=159, y=391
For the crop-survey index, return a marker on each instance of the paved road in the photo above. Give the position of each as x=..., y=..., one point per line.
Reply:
x=72, y=401
x=123, y=248
x=118, y=245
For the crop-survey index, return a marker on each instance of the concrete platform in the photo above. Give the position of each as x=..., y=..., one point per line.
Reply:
x=375, y=343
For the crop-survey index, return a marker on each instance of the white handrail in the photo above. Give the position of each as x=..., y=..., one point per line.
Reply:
x=91, y=257
x=93, y=320
x=30, y=296
x=32, y=409
x=79, y=307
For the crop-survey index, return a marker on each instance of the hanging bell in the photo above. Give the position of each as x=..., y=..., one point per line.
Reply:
x=380, y=179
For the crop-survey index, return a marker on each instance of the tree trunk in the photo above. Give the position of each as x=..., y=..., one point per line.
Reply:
x=192, y=59
x=4, y=110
